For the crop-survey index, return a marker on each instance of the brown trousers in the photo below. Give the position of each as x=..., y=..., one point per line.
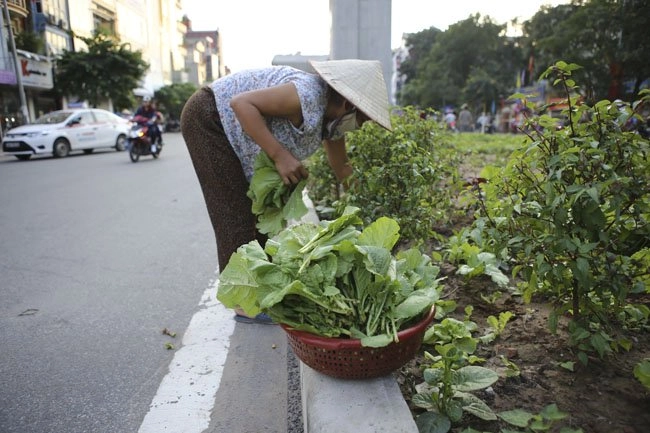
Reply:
x=220, y=175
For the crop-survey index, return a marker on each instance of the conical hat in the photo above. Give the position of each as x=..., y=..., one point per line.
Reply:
x=361, y=82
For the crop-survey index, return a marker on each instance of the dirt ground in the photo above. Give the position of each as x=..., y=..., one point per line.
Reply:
x=602, y=397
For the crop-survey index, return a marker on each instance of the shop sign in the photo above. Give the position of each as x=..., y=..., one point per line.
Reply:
x=35, y=70
x=7, y=77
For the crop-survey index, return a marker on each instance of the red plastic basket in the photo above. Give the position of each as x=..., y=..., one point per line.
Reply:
x=347, y=359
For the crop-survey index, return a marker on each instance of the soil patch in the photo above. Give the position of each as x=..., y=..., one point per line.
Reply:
x=602, y=397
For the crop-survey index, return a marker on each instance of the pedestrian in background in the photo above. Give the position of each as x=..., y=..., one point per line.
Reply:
x=465, y=119
x=450, y=120
x=484, y=123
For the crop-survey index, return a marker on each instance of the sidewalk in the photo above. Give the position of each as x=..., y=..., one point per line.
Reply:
x=264, y=388
x=260, y=390
x=255, y=391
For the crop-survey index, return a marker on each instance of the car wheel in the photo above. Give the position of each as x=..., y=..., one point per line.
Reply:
x=61, y=148
x=88, y=151
x=120, y=144
x=23, y=157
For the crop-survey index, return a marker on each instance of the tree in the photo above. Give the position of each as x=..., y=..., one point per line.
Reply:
x=171, y=99
x=107, y=70
x=473, y=59
x=419, y=44
x=609, y=38
x=481, y=88
x=473, y=48
x=635, y=42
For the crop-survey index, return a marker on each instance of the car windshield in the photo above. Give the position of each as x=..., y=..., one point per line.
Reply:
x=53, y=117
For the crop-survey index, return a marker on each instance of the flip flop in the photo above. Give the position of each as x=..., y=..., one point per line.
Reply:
x=260, y=319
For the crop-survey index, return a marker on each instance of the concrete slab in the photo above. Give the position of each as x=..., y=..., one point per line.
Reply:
x=353, y=406
x=252, y=396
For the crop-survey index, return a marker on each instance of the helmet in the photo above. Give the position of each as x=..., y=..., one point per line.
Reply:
x=146, y=98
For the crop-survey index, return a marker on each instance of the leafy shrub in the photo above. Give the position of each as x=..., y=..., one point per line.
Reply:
x=409, y=174
x=451, y=378
x=571, y=211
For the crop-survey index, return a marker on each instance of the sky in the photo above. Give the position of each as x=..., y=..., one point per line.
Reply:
x=254, y=31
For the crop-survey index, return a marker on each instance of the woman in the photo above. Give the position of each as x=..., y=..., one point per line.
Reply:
x=284, y=112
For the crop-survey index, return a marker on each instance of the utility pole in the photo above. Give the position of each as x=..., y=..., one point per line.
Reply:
x=19, y=77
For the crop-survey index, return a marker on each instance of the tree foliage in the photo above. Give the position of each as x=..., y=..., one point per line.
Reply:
x=585, y=34
x=475, y=61
x=419, y=45
x=108, y=69
x=171, y=99
x=467, y=63
x=608, y=37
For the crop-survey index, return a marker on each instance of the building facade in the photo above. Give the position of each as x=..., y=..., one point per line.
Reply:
x=31, y=70
x=206, y=63
x=44, y=29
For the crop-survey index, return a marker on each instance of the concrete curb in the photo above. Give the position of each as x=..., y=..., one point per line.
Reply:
x=351, y=406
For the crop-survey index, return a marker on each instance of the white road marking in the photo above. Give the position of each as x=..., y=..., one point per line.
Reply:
x=186, y=395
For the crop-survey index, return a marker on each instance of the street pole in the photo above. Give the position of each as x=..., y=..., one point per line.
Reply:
x=19, y=77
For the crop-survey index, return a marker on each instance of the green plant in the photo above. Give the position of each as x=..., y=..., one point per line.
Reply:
x=527, y=422
x=512, y=369
x=409, y=174
x=642, y=372
x=491, y=298
x=450, y=379
x=464, y=248
x=571, y=212
x=273, y=203
x=496, y=326
x=333, y=280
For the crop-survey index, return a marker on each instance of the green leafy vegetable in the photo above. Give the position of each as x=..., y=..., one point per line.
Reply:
x=333, y=279
x=274, y=203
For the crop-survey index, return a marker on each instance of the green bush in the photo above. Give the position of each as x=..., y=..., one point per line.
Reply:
x=571, y=212
x=409, y=174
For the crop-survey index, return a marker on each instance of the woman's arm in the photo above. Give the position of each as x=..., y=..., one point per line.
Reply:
x=338, y=159
x=252, y=107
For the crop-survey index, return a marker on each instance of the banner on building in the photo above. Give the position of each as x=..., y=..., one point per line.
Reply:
x=35, y=70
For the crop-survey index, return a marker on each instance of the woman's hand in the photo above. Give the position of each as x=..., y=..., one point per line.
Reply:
x=253, y=107
x=290, y=169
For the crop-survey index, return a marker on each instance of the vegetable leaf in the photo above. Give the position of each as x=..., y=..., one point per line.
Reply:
x=273, y=202
x=334, y=279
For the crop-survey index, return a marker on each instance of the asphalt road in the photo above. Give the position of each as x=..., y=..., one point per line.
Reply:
x=97, y=256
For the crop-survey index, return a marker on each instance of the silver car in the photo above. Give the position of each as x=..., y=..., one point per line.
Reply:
x=60, y=132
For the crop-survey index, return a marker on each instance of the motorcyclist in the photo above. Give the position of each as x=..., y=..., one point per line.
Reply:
x=147, y=114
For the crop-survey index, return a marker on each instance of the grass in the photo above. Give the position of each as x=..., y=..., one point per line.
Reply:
x=480, y=150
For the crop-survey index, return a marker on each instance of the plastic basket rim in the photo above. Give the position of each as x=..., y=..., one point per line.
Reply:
x=335, y=343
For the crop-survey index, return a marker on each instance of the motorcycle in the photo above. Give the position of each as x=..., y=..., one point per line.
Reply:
x=139, y=142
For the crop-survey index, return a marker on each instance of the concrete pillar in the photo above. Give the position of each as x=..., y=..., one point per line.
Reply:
x=361, y=29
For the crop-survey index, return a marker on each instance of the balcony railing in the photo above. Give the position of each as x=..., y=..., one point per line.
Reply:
x=17, y=6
